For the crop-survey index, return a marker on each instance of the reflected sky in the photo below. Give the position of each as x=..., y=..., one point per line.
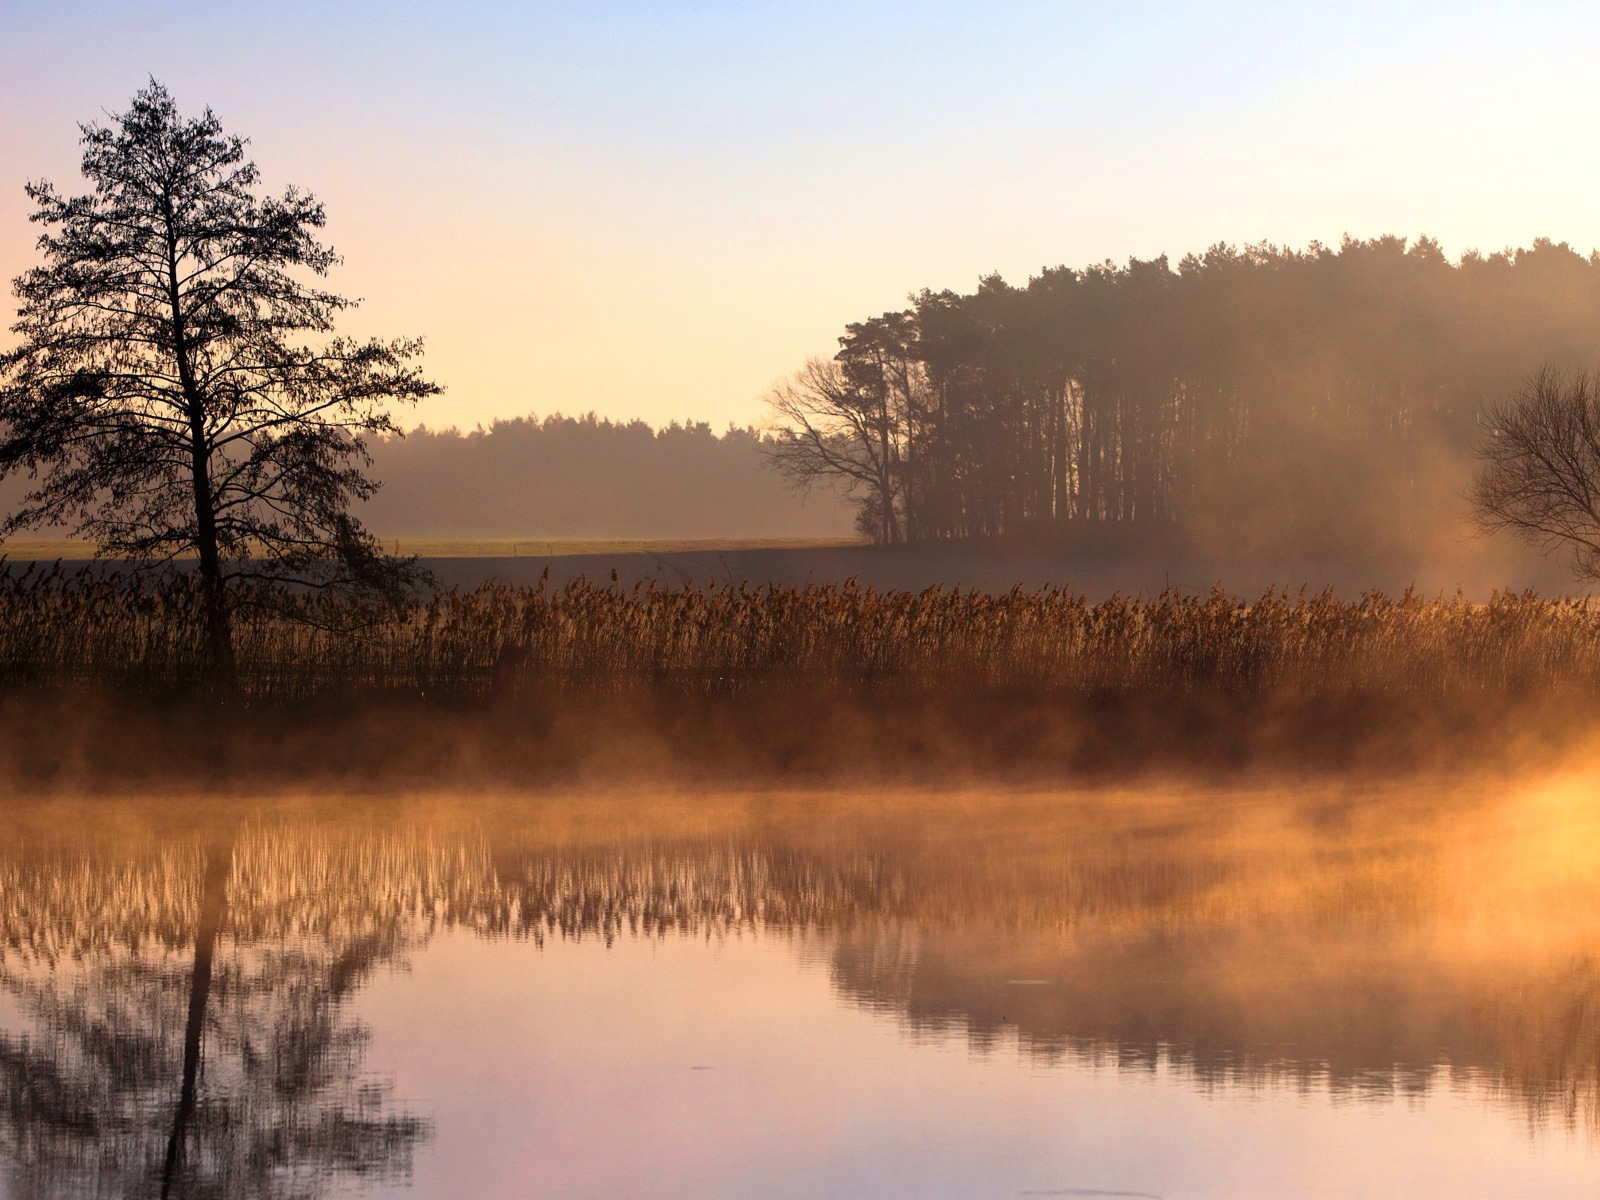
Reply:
x=1264, y=992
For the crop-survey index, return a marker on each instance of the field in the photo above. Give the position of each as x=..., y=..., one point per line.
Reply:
x=1475, y=566
x=77, y=550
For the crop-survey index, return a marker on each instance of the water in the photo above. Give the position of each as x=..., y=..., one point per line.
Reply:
x=1263, y=992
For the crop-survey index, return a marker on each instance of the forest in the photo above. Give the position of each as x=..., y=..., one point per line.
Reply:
x=588, y=477
x=1249, y=403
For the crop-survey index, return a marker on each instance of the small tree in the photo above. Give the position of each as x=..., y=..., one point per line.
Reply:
x=162, y=396
x=1541, y=467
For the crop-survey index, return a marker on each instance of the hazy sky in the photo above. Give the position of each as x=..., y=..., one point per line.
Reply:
x=656, y=210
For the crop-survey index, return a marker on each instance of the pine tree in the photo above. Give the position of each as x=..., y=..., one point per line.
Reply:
x=178, y=390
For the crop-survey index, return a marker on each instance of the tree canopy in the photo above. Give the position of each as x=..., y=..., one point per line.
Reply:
x=1541, y=468
x=1259, y=401
x=178, y=389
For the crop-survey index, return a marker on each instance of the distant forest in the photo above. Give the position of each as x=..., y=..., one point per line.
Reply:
x=1251, y=403
x=582, y=477
x=1254, y=405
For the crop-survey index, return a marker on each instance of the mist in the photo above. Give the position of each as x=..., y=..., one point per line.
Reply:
x=1079, y=733
x=1252, y=416
x=582, y=477
x=1255, y=406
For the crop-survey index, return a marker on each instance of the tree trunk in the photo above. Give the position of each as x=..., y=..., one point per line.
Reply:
x=213, y=905
x=219, y=626
x=219, y=631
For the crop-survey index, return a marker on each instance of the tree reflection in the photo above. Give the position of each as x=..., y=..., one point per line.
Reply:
x=177, y=1016
x=213, y=901
x=170, y=1041
x=1385, y=956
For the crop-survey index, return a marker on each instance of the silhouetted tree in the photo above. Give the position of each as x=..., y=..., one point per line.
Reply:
x=878, y=358
x=1256, y=402
x=160, y=386
x=1541, y=467
x=833, y=426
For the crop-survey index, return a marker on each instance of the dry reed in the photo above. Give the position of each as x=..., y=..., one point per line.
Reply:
x=102, y=629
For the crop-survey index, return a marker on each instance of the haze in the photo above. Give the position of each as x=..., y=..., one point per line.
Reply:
x=976, y=601
x=654, y=211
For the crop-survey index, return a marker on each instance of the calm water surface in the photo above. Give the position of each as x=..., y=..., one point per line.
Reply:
x=1267, y=992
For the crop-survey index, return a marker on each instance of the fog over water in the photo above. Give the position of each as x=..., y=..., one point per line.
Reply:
x=1294, y=989
x=872, y=601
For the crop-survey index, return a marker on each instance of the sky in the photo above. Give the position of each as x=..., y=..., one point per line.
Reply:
x=659, y=210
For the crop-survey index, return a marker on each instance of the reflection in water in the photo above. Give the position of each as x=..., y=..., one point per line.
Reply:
x=177, y=1018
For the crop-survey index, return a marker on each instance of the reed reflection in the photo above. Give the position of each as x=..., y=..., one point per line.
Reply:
x=1376, y=945
x=178, y=1020
x=181, y=1020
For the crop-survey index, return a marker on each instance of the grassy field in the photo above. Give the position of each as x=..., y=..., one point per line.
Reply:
x=47, y=550
x=68, y=550
x=1477, y=569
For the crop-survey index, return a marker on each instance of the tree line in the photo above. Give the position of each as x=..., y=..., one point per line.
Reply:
x=178, y=392
x=588, y=477
x=1261, y=400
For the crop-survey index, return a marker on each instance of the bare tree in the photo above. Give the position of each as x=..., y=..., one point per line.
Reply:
x=828, y=427
x=1541, y=472
x=161, y=388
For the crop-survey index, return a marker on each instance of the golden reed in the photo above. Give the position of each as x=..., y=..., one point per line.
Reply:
x=93, y=628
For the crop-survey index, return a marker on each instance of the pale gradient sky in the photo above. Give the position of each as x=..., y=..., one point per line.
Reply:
x=656, y=210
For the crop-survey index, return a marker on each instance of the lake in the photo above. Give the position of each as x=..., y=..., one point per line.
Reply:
x=1272, y=989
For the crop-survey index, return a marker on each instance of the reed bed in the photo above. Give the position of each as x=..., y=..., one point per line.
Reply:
x=101, y=629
